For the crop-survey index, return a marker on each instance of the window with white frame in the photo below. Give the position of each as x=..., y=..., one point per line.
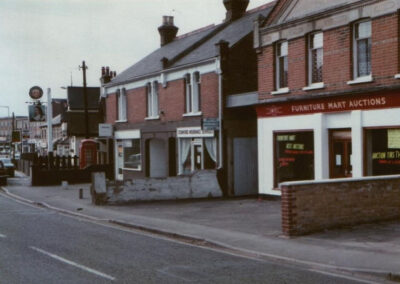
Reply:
x=192, y=92
x=152, y=100
x=315, y=57
x=281, y=65
x=121, y=104
x=362, y=49
x=197, y=154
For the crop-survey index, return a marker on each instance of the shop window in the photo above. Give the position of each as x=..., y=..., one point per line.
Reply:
x=131, y=154
x=315, y=57
x=197, y=154
x=362, y=49
x=294, y=156
x=382, y=152
x=281, y=65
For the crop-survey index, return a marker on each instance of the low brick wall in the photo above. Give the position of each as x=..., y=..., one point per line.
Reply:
x=314, y=206
x=202, y=184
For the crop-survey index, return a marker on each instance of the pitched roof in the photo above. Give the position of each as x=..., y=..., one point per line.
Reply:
x=193, y=47
x=289, y=10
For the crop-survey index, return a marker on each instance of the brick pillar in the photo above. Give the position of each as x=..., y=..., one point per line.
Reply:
x=289, y=212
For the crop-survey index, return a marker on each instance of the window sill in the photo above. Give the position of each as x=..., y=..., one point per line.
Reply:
x=281, y=91
x=132, y=170
x=193, y=114
x=361, y=80
x=152, y=118
x=397, y=76
x=121, y=120
x=315, y=86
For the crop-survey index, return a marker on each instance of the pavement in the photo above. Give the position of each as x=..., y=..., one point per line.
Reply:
x=246, y=225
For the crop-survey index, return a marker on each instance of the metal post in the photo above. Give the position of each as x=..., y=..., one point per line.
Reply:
x=49, y=122
x=85, y=99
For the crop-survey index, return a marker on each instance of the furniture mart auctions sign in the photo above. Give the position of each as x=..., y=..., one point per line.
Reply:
x=337, y=104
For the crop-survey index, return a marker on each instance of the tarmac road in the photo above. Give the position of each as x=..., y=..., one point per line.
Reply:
x=38, y=245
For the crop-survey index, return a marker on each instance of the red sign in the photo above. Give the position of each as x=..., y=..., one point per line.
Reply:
x=336, y=104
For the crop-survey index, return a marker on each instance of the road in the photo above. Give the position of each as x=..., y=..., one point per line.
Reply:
x=38, y=245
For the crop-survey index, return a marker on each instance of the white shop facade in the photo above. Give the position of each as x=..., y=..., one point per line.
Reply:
x=328, y=138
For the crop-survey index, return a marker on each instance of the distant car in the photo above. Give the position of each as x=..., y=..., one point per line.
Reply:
x=133, y=161
x=9, y=166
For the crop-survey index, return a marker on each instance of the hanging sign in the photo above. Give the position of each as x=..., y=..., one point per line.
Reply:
x=35, y=92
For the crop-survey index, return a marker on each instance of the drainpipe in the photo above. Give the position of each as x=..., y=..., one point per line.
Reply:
x=222, y=50
x=220, y=114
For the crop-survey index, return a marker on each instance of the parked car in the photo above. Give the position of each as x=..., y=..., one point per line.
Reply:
x=9, y=166
x=3, y=170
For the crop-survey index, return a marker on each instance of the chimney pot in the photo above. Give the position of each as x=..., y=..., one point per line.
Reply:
x=167, y=31
x=103, y=71
x=107, y=71
x=235, y=9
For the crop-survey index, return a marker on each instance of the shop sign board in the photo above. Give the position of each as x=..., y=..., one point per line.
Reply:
x=334, y=104
x=196, y=132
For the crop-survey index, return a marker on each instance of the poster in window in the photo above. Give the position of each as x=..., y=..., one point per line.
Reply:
x=393, y=138
x=294, y=156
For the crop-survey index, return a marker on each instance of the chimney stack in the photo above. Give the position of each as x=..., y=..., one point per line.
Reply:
x=235, y=9
x=167, y=31
x=107, y=75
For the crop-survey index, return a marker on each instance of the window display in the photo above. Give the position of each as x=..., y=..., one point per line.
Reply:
x=294, y=156
x=382, y=152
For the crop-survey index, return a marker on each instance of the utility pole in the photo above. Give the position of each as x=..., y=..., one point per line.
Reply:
x=12, y=132
x=85, y=99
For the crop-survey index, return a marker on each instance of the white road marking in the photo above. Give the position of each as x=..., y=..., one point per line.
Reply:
x=98, y=273
x=3, y=236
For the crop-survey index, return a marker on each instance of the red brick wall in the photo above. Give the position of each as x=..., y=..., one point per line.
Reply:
x=111, y=108
x=317, y=206
x=209, y=95
x=266, y=74
x=171, y=101
x=337, y=70
x=137, y=105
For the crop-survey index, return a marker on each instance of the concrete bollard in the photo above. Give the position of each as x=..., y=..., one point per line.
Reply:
x=81, y=193
x=64, y=184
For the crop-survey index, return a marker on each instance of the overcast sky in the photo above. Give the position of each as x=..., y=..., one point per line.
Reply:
x=43, y=42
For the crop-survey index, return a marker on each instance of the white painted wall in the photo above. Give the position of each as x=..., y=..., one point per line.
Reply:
x=320, y=123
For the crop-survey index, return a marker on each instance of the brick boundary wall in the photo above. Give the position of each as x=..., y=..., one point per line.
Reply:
x=312, y=206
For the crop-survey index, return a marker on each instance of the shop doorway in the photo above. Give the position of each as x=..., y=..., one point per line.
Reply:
x=158, y=165
x=341, y=165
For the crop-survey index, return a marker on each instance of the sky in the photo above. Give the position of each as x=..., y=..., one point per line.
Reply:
x=43, y=42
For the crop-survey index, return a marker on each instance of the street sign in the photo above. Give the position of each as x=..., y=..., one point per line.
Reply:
x=105, y=130
x=210, y=123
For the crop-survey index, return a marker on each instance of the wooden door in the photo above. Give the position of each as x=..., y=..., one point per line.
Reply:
x=340, y=154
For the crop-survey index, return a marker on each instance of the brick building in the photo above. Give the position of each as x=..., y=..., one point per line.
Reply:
x=180, y=109
x=329, y=92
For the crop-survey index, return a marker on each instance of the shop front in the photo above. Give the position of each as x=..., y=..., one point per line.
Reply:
x=335, y=137
x=197, y=149
x=127, y=152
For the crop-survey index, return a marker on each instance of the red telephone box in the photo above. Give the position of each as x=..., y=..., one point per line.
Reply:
x=87, y=153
